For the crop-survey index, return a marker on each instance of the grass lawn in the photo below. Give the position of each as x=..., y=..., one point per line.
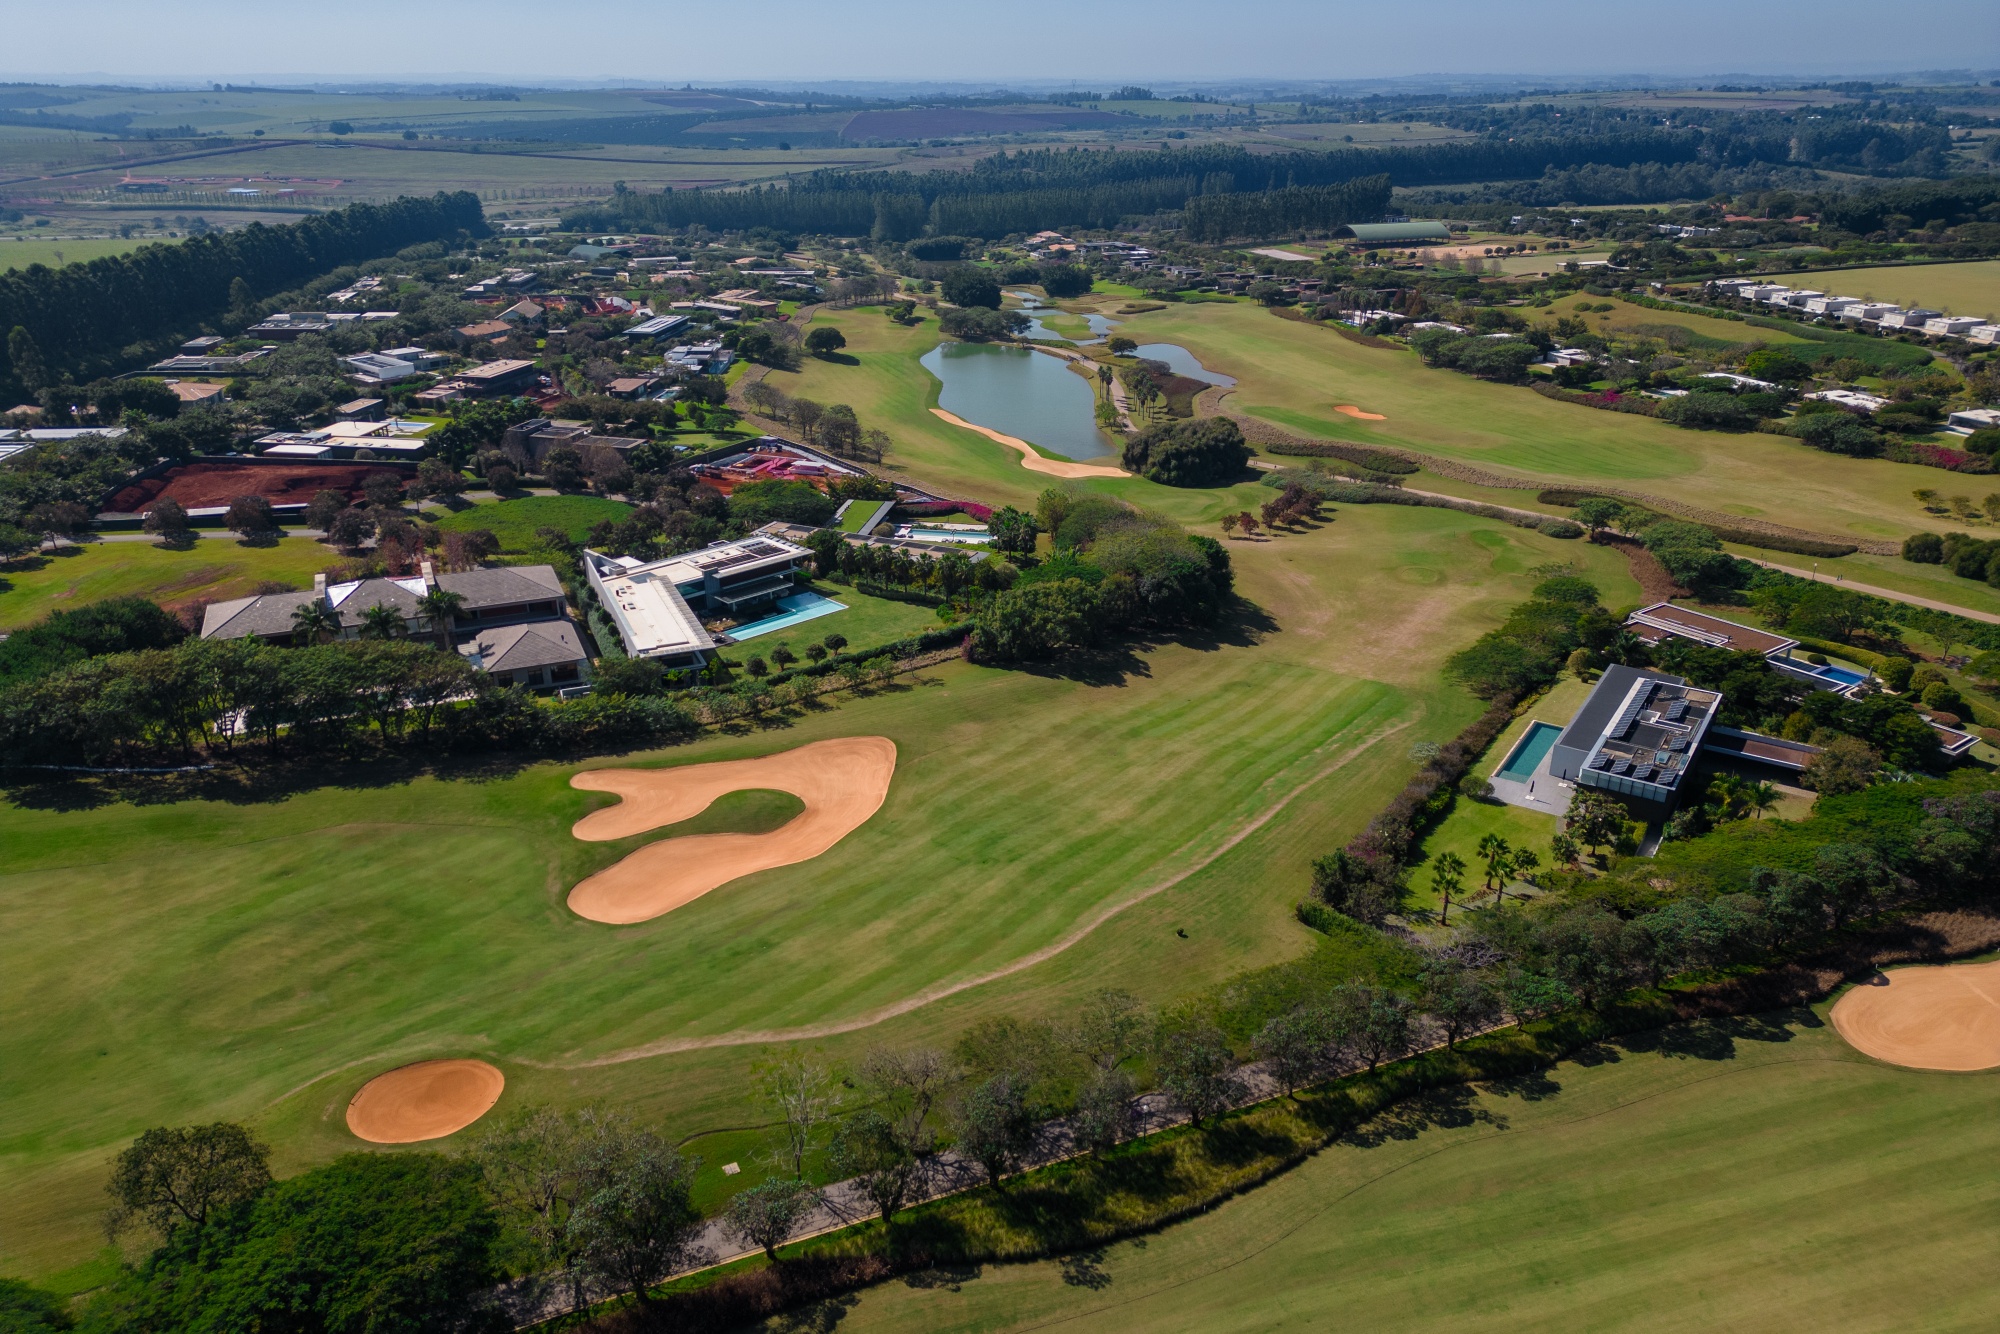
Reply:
x=215, y=568
x=1624, y=317
x=867, y=622
x=1295, y=374
x=1461, y=831
x=257, y=951
x=1755, y=1175
x=514, y=521
x=1893, y=573
x=1959, y=289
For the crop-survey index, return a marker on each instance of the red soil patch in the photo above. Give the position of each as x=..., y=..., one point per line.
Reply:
x=196, y=485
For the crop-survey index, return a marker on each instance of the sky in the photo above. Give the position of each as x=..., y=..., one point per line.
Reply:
x=1092, y=41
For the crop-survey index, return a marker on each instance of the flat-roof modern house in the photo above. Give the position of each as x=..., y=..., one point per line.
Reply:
x=1663, y=621
x=497, y=377
x=658, y=606
x=1637, y=735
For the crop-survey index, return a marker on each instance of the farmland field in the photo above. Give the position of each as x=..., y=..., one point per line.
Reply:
x=1754, y=1175
x=263, y=950
x=58, y=251
x=1959, y=289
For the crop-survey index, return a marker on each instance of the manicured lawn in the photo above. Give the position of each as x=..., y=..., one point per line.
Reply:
x=33, y=249
x=256, y=952
x=1755, y=1175
x=514, y=521
x=213, y=568
x=867, y=622
x=1296, y=375
x=1624, y=317
x=1461, y=831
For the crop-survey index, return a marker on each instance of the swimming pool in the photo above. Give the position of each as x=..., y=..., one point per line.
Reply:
x=1527, y=755
x=793, y=610
x=1840, y=674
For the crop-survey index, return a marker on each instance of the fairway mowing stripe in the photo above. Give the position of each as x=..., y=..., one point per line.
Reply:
x=668, y=1046
x=1287, y=1233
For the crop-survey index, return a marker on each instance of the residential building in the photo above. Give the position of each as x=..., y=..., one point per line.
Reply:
x=210, y=364
x=1637, y=735
x=497, y=377
x=1851, y=399
x=196, y=391
x=1986, y=334
x=361, y=410
x=632, y=386
x=288, y=325
x=377, y=368
x=1973, y=419
x=421, y=357
x=1663, y=620
x=660, y=326
x=1908, y=319
x=523, y=312
x=1739, y=382
x=1951, y=326
x=651, y=617
x=491, y=331
x=536, y=654
x=1568, y=356
x=201, y=347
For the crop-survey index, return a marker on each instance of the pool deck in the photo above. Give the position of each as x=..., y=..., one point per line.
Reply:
x=1540, y=791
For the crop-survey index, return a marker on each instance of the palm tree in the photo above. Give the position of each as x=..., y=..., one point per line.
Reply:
x=383, y=622
x=1447, y=876
x=1496, y=852
x=314, y=622
x=1760, y=797
x=442, y=608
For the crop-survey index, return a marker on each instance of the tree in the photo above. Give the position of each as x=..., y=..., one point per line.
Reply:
x=1760, y=797
x=1109, y=1030
x=168, y=518
x=383, y=489
x=322, y=508
x=1208, y=451
x=1195, y=1067
x=1248, y=523
x=1104, y=1110
x=563, y=469
x=805, y=1094
x=1456, y=997
x=635, y=1220
x=971, y=286
x=1844, y=764
x=25, y=1309
x=825, y=340
x=441, y=608
x=1065, y=280
x=1565, y=849
x=1594, y=819
x=869, y=1148
x=767, y=1214
x=1377, y=1022
x=25, y=356
x=383, y=622
x=1448, y=877
x=252, y=517
x=1013, y=530
x=1498, y=854
x=1294, y=1045
x=908, y=1084
x=183, y=1176
x=315, y=622
x=350, y=529
x=835, y=643
x=435, y=477
x=1530, y=994
x=995, y=1124
x=1598, y=512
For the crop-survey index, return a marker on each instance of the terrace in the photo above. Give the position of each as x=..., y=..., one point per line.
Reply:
x=1637, y=735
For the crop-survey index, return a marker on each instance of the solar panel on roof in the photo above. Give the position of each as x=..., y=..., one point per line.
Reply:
x=1643, y=772
x=1621, y=767
x=1669, y=778
x=1600, y=761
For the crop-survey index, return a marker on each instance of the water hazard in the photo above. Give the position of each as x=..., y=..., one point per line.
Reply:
x=1022, y=393
x=1182, y=362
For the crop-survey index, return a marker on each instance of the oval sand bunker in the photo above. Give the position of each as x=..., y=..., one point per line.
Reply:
x=842, y=782
x=428, y=1100
x=1931, y=1018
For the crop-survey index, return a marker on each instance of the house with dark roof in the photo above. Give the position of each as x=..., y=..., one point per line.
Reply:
x=496, y=605
x=1663, y=621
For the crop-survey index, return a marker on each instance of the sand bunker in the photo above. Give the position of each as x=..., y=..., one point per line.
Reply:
x=1030, y=459
x=1932, y=1018
x=428, y=1100
x=842, y=782
x=1353, y=411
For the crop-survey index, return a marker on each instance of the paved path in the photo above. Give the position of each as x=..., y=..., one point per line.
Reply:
x=1889, y=593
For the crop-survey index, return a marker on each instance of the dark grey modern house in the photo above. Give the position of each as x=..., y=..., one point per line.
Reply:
x=1637, y=735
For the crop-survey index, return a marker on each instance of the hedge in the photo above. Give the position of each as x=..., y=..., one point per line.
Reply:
x=1374, y=459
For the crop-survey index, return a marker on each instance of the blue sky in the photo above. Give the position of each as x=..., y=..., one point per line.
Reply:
x=675, y=41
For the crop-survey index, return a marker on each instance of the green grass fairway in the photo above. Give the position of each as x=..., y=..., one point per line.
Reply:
x=214, y=568
x=514, y=521
x=1624, y=317
x=1752, y=1176
x=1286, y=367
x=257, y=953
x=1960, y=289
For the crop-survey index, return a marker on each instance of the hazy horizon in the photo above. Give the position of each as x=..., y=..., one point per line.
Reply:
x=902, y=41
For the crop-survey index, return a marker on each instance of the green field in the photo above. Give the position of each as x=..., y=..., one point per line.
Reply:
x=1626, y=318
x=257, y=952
x=214, y=568
x=1960, y=289
x=18, y=252
x=514, y=521
x=1756, y=1175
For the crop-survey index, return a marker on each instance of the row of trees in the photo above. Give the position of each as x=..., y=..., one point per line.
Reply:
x=81, y=319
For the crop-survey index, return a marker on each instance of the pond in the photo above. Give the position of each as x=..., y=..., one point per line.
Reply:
x=1100, y=327
x=1182, y=362
x=1030, y=395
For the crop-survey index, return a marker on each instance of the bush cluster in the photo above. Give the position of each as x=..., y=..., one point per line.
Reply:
x=1205, y=452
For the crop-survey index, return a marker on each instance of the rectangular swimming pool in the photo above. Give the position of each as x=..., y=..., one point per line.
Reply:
x=793, y=610
x=1528, y=753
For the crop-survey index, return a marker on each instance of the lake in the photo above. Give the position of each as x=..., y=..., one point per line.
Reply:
x=1182, y=362
x=1100, y=327
x=1019, y=392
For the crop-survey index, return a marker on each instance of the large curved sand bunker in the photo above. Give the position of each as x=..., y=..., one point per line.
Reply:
x=428, y=1100
x=1933, y=1018
x=1031, y=458
x=842, y=782
x=1353, y=411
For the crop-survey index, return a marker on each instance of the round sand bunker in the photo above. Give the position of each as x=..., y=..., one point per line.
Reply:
x=842, y=782
x=1929, y=1018
x=428, y=1100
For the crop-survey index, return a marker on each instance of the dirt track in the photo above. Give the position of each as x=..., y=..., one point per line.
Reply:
x=1030, y=459
x=428, y=1100
x=842, y=782
x=1945, y=1018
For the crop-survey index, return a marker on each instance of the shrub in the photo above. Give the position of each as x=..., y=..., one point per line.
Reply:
x=1375, y=460
x=971, y=286
x=1983, y=443
x=1924, y=549
x=976, y=324
x=1064, y=280
x=1836, y=435
x=1205, y=452
x=1560, y=528
x=1708, y=412
x=758, y=503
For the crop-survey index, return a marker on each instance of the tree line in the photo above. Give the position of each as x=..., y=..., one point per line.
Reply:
x=1214, y=218
x=84, y=319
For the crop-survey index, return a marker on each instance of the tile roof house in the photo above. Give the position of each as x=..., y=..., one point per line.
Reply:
x=538, y=653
